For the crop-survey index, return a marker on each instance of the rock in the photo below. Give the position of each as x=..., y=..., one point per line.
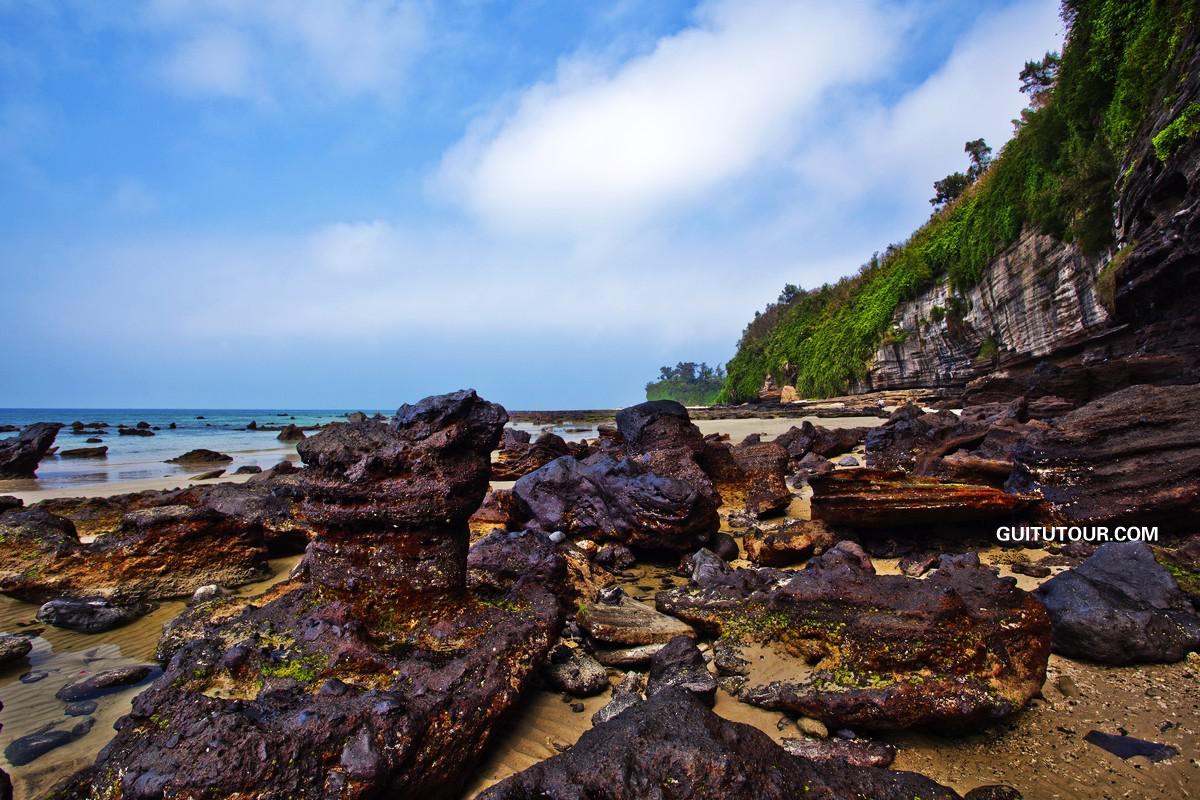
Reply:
x=814, y=727
x=518, y=458
x=812, y=464
x=253, y=426
x=1031, y=568
x=382, y=666
x=85, y=452
x=789, y=543
x=13, y=648
x=201, y=456
x=81, y=708
x=672, y=746
x=725, y=547
x=34, y=676
x=606, y=499
x=8, y=503
x=248, y=469
x=102, y=683
x=820, y=441
x=1133, y=455
x=26, y=749
x=661, y=439
x=917, y=564
x=93, y=440
x=574, y=672
x=680, y=665
x=91, y=614
x=625, y=694
x=20, y=454
x=1128, y=746
x=855, y=752
x=134, y=432
x=501, y=560
x=869, y=498
x=993, y=792
x=208, y=476
x=847, y=461
x=156, y=553
x=787, y=394
x=206, y=593
x=291, y=433
x=143, y=425
x=498, y=512
x=628, y=623
x=615, y=557
x=986, y=641
x=1120, y=607
x=628, y=657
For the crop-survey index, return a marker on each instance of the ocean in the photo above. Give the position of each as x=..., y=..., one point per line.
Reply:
x=143, y=458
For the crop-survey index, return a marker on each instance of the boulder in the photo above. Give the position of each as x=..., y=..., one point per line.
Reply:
x=574, y=672
x=91, y=614
x=84, y=452
x=1120, y=607
x=660, y=438
x=134, y=432
x=200, y=456
x=791, y=542
x=608, y=499
x=519, y=458
x=749, y=477
x=956, y=650
x=819, y=440
x=871, y=498
x=290, y=433
x=498, y=512
x=13, y=648
x=616, y=620
x=106, y=682
x=20, y=454
x=671, y=746
x=1133, y=455
x=855, y=752
x=680, y=665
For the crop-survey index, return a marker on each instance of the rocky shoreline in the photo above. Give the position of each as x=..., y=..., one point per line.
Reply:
x=833, y=576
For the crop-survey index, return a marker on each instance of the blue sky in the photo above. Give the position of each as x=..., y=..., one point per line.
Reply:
x=226, y=203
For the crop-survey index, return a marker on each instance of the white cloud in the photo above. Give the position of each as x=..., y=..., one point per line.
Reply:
x=598, y=148
x=256, y=49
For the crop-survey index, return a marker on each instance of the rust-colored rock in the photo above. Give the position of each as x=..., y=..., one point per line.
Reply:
x=956, y=650
x=868, y=498
x=750, y=477
x=519, y=458
x=789, y=543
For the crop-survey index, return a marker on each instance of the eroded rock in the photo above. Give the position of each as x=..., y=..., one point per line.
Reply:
x=20, y=454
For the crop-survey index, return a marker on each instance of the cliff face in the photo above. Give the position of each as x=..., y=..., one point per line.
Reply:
x=1047, y=319
x=1037, y=297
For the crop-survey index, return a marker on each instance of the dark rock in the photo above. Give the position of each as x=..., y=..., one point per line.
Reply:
x=660, y=437
x=754, y=481
x=8, y=503
x=248, y=469
x=671, y=746
x=1120, y=607
x=34, y=676
x=13, y=648
x=201, y=456
x=869, y=498
x=813, y=464
x=626, y=694
x=855, y=752
x=867, y=641
x=1129, y=746
x=208, y=476
x=134, y=432
x=606, y=499
x=680, y=665
x=498, y=512
x=1130, y=455
x=253, y=426
x=615, y=557
x=106, y=682
x=793, y=541
x=290, y=433
x=725, y=546
x=993, y=792
x=143, y=425
x=91, y=614
x=1031, y=568
x=574, y=672
x=27, y=749
x=20, y=454
x=809, y=439
x=84, y=452
x=917, y=564
x=80, y=709
x=519, y=458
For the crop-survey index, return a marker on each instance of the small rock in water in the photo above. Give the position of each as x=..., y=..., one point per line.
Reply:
x=205, y=593
x=993, y=792
x=208, y=476
x=13, y=648
x=80, y=709
x=248, y=469
x=90, y=614
x=1130, y=746
x=29, y=748
x=33, y=677
x=104, y=682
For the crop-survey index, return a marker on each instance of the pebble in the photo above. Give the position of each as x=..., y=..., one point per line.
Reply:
x=33, y=677
x=813, y=727
x=80, y=709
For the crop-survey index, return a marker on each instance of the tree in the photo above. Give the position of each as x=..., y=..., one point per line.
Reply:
x=981, y=157
x=790, y=292
x=1038, y=77
x=948, y=189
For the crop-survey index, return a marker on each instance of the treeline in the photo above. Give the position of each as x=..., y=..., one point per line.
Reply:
x=687, y=382
x=1058, y=173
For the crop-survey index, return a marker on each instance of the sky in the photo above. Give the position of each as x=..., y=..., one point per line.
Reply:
x=357, y=203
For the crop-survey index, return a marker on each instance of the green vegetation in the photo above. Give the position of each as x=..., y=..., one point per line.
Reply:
x=1058, y=174
x=687, y=382
x=1177, y=133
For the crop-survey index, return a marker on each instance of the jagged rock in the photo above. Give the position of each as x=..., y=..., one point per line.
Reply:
x=917, y=564
x=812, y=464
x=660, y=437
x=671, y=746
x=102, y=683
x=384, y=685
x=680, y=665
x=1120, y=607
x=248, y=469
x=615, y=557
x=816, y=439
x=134, y=432
x=159, y=552
x=955, y=650
x=91, y=614
x=291, y=433
x=13, y=648
x=498, y=512
x=84, y=452
x=1133, y=455
x=625, y=694
x=855, y=752
x=1032, y=569
x=574, y=672
x=605, y=499
x=201, y=456
x=518, y=458
x=793, y=541
x=625, y=622
x=750, y=476
x=20, y=454
x=502, y=559
x=870, y=498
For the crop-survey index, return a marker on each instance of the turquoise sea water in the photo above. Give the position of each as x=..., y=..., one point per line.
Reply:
x=139, y=458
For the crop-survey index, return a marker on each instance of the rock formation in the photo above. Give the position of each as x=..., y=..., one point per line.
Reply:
x=20, y=454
